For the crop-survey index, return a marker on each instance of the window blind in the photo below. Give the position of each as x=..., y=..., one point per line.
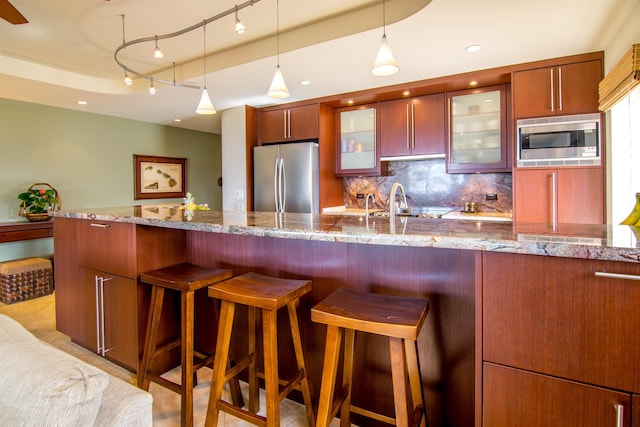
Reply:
x=621, y=79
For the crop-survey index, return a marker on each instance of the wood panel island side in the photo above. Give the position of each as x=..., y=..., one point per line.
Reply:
x=512, y=306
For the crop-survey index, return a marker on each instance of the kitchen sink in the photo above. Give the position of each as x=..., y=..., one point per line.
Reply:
x=418, y=212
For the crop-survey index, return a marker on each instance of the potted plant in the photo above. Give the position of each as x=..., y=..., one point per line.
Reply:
x=38, y=200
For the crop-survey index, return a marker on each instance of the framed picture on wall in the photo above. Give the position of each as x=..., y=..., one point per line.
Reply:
x=159, y=177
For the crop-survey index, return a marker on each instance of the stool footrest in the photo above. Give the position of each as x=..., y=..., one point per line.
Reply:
x=239, y=367
x=167, y=347
x=200, y=360
x=338, y=402
x=247, y=416
x=373, y=415
x=417, y=415
x=291, y=384
x=175, y=387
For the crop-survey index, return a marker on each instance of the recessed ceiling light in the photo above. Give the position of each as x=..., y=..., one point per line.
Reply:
x=406, y=93
x=350, y=101
x=81, y=102
x=473, y=48
x=473, y=83
x=177, y=120
x=305, y=82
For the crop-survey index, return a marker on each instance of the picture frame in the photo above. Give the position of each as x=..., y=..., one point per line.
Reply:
x=157, y=177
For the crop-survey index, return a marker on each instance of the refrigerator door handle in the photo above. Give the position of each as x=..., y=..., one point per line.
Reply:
x=276, y=177
x=283, y=186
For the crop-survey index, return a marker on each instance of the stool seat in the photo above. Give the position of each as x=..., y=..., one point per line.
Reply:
x=346, y=311
x=185, y=278
x=263, y=295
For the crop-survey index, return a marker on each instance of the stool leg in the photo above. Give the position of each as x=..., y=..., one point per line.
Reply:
x=151, y=336
x=271, y=382
x=297, y=345
x=398, y=370
x=329, y=372
x=234, y=383
x=186, y=345
x=347, y=377
x=254, y=387
x=415, y=379
x=220, y=362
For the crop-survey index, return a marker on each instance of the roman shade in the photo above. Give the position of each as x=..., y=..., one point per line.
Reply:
x=621, y=79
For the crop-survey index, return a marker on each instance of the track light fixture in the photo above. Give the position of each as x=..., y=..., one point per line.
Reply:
x=240, y=28
x=205, y=106
x=127, y=79
x=152, y=89
x=278, y=88
x=385, y=64
x=157, y=53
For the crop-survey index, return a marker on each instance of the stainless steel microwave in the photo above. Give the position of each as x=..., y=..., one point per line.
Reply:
x=559, y=141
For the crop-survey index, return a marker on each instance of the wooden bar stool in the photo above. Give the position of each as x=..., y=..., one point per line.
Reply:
x=186, y=279
x=346, y=311
x=265, y=295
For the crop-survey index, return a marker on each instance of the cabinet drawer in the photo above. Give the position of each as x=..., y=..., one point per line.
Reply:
x=555, y=316
x=512, y=397
x=107, y=246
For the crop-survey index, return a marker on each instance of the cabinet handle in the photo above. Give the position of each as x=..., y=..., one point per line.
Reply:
x=99, y=225
x=413, y=126
x=408, y=122
x=288, y=124
x=617, y=275
x=96, y=280
x=554, y=201
x=553, y=101
x=619, y=415
x=560, y=89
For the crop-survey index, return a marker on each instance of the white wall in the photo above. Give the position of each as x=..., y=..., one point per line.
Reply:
x=234, y=161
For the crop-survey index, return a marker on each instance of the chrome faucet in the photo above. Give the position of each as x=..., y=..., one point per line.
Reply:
x=394, y=206
x=366, y=203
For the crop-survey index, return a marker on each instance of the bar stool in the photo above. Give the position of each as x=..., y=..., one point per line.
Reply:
x=264, y=295
x=346, y=311
x=185, y=278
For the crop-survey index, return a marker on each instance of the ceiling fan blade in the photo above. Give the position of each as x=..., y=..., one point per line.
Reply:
x=10, y=13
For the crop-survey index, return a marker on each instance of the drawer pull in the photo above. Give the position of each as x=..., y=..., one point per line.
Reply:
x=617, y=275
x=619, y=415
x=99, y=225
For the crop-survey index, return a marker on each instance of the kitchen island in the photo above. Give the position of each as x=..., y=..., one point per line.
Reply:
x=474, y=336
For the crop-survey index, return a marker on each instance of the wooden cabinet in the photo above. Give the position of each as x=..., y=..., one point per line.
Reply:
x=514, y=397
x=562, y=195
x=357, y=141
x=560, y=90
x=479, y=140
x=413, y=127
x=574, y=320
x=290, y=124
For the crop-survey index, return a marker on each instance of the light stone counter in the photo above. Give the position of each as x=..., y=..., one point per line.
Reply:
x=600, y=242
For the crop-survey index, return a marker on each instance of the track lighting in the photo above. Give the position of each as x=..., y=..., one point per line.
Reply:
x=157, y=53
x=152, y=89
x=127, y=79
x=278, y=88
x=385, y=64
x=240, y=28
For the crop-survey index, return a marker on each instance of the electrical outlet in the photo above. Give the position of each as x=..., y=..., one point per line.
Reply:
x=491, y=196
x=360, y=196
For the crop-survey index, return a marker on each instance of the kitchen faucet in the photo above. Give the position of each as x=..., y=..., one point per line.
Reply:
x=393, y=206
x=366, y=203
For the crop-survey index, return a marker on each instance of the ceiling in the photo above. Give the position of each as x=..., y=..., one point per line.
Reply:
x=65, y=53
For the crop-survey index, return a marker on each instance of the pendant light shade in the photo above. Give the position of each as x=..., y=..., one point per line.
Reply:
x=278, y=88
x=205, y=106
x=385, y=64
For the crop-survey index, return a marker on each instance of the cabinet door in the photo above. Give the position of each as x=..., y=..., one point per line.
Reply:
x=478, y=136
x=290, y=124
x=120, y=320
x=107, y=246
x=68, y=275
x=513, y=397
x=565, y=196
x=395, y=124
x=562, y=90
x=635, y=411
x=429, y=124
x=357, y=142
x=554, y=316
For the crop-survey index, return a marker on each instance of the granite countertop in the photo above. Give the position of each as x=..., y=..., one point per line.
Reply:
x=603, y=242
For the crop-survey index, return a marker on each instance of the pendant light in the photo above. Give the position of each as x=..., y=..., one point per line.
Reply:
x=385, y=64
x=278, y=88
x=205, y=106
x=240, y=28
x=157, y=53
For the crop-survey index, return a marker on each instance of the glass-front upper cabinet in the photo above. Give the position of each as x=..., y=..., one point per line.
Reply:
x=478, y=131
x=357, y=151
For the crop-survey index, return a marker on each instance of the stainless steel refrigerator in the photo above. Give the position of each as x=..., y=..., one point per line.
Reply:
x=286, y=178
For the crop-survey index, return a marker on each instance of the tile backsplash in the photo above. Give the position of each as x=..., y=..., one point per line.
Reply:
x=426, y=183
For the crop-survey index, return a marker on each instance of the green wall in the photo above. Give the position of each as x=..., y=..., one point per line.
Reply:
x=88, y=158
